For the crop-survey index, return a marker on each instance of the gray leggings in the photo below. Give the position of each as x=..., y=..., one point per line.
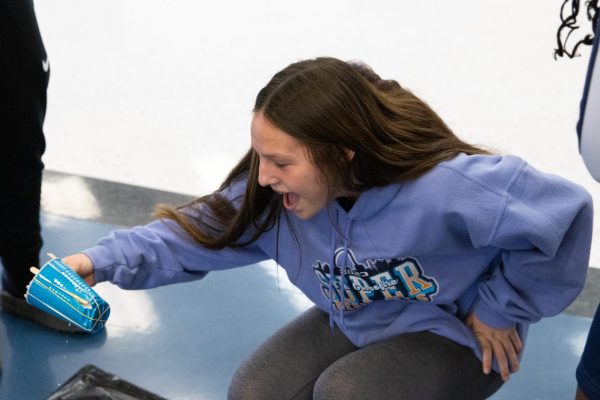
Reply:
x=303, y=360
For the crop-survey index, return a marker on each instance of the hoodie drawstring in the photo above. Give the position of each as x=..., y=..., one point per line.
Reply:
x=331, y=277
x=343, y=268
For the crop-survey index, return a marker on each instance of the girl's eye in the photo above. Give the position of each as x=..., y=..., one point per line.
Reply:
x=280, y=165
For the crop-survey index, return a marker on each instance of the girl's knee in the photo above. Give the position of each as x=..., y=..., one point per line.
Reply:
x=333, y=385
x=251, y=382
x=245, y=385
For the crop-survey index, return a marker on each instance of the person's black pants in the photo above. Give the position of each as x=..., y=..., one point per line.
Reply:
x=24, y=74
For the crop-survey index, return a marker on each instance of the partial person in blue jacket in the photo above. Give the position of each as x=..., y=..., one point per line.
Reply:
x=588, y=131
x=427, y=258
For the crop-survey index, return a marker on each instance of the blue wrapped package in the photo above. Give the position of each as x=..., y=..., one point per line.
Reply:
x=58, y=290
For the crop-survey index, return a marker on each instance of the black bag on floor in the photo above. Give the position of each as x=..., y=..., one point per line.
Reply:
x=91, y=383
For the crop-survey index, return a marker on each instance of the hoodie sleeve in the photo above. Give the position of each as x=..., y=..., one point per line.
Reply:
x=162, y=253
x=544, y=232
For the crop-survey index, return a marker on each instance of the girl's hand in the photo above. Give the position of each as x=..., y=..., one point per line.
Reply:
x=81, y=264
x=501, y=344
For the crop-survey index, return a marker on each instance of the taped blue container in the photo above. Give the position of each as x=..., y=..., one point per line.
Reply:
x=58, y=290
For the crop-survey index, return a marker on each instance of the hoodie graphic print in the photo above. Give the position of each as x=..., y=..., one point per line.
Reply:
x=359, y=284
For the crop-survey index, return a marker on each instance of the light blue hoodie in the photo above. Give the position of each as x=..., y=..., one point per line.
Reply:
x=488, y=234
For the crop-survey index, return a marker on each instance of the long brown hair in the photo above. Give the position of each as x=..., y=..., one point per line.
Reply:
x=332, y=107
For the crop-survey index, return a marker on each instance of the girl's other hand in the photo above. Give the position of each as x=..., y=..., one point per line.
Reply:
x=81, y=264
x=502, y=344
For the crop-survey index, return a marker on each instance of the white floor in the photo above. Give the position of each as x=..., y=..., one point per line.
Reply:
x=158, y=93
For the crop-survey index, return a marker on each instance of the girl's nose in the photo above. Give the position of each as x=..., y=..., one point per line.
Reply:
x=266, y=177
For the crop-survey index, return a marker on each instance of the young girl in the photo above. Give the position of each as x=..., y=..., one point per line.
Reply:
x=427, y=258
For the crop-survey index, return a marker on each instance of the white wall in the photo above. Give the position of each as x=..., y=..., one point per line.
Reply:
x=158, y=93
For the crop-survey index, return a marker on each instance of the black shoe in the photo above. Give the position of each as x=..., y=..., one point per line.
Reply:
x=20, y=308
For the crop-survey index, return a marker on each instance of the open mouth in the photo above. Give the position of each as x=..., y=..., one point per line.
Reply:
x=290, y=200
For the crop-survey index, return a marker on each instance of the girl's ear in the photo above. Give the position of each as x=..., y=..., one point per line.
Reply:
x=349, y=154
